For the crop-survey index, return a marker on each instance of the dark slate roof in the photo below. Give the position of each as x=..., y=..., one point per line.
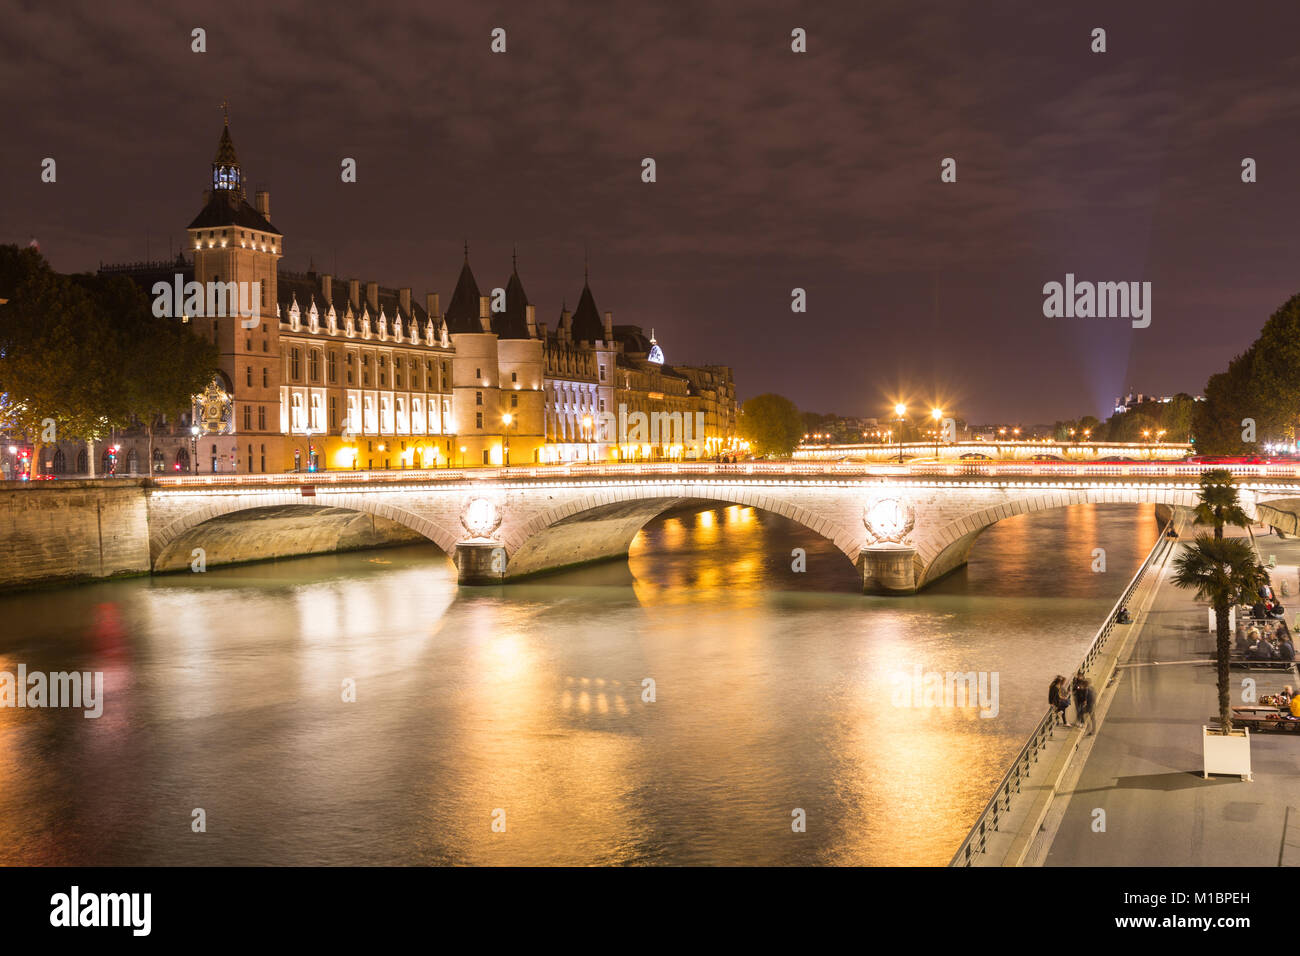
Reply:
x=633, y=338
x=513, y=322
x=462, y=311
x=221, y=211
x=588, y=326
x=225, y=150
x=306, y=288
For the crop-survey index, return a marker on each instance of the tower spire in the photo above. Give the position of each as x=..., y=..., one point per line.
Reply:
x=225, y=108
x=467, y=252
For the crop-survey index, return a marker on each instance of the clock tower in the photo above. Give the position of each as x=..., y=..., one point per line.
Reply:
x=236, y=251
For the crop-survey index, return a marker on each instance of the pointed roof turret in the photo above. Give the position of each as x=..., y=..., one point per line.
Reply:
x=587, y=324
x=226, y=205
x=513, y=322
x=462, y=310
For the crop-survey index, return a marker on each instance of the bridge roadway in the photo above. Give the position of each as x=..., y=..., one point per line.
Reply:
x=903, y=526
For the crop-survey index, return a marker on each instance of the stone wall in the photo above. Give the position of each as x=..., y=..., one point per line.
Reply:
x=53, y=531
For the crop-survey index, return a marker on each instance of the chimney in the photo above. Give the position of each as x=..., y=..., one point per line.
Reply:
x=566, y=326
x=531, y=312
x=431, y=304
x=354, y=294
x=327, y=288
x=262, y=199
x=485, y=313
x=609, y=327
x=372, y=297
x=404, y=299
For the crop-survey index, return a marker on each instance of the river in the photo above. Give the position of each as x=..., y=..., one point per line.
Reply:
x=512, y=726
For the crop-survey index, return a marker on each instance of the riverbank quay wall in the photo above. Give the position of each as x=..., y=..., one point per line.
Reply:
x=67, y=531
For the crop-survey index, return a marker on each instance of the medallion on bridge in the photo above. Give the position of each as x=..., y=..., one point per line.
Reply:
x=481, y=517
x=889, y=520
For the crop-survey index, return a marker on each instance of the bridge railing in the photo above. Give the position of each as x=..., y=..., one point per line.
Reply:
x=990, y=821
x=917, y=469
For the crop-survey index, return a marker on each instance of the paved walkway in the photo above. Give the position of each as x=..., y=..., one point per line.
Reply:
x=1143, y=766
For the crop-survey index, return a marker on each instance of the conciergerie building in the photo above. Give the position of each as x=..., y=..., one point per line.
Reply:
x=334, y=373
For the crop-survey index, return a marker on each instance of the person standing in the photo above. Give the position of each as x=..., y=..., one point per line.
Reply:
x=1059, y=697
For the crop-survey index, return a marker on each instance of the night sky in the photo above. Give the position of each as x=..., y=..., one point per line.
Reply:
x=775, y=170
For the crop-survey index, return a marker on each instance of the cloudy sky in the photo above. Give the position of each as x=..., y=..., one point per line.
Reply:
x=775, y=170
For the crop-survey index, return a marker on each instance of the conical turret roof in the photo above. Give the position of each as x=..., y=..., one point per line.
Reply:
x=462, y=310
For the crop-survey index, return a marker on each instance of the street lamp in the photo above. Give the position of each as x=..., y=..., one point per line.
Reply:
x=462, y=456
x=508, y=419
x=937, y=415
x=586, y=425
x=194, y=449
x=900, y=410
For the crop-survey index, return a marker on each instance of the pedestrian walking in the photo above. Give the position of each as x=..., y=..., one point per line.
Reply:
x=1080, y=690
x=1088, y=719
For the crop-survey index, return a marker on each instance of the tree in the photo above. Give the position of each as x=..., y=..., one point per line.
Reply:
x=1275, y=372
x=164, y=363
x=1229, y=399
x=58, y=356
x=1224, y=572
x=80, y=355
x=771, y=424
x=1219, y=504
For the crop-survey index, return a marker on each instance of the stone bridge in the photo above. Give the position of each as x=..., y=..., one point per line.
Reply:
x=901, y=528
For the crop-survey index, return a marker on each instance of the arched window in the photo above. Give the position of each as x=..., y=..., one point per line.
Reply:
x=82, y=462
x=60, y=462
x=183, y=459
x=158, y=462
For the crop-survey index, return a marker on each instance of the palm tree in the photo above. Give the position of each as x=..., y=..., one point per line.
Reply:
x=1224, y=572
x=1219, y=503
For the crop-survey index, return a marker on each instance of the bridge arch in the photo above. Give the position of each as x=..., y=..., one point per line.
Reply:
x=173, y=521
x=603, y=524
x=948, y=548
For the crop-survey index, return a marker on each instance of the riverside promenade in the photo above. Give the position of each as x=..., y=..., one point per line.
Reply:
x=1134, y=794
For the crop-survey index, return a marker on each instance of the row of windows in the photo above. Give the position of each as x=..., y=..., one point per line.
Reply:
x=436, y=374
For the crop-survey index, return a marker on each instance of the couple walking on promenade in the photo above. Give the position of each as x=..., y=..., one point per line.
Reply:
x=1085, y=701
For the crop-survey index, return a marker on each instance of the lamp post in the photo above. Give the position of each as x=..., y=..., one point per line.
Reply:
x=586, y=425
x=194, y=449
x=462, y=456
x=508, y=419
x=937, y=415
x=900, y=410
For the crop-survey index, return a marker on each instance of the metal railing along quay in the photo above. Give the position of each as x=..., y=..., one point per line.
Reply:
x=990, y=821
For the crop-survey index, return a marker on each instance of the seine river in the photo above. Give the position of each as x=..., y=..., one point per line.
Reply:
x=774, y=691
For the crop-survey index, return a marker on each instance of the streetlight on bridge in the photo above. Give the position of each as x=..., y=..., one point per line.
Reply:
x=937, y=415
x=194, y=449
x=900, y=410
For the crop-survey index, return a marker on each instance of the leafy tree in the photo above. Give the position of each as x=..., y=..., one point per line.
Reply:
x=1222, y=571
x=164, y=363
x=771, y=424
x=59, y=358
x=85, y=354
x=1229, y=398
x=1219, y=504
x=1275, y=372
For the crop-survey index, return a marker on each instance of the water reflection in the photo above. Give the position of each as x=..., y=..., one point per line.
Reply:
x=772, y=691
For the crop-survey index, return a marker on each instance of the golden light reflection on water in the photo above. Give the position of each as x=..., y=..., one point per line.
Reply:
x=773, y=690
